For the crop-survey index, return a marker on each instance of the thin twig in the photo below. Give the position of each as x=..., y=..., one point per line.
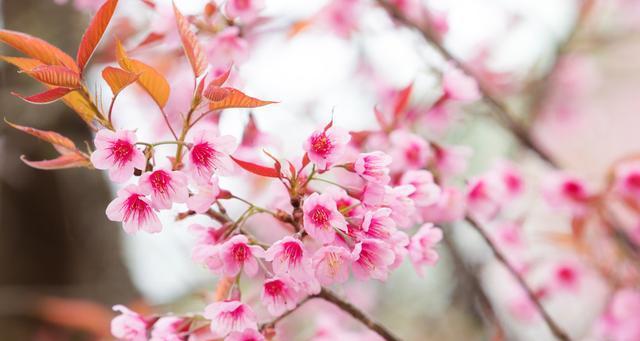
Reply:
x=553, y=326
x=500, y=110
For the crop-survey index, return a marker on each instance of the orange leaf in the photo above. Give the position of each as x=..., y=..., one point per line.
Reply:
x=73, y=99
x=94, y=32
x=46, y=97
x=224, y=98
x=151, y=80
x=56, y=75
x=24, y=64
x=118, y=79
x=38, y=49
x=61, y=162
x=62, y=144
x=218, y=81
x=257, y=169
x=190, y=44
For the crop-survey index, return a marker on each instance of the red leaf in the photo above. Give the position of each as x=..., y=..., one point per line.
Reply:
x=62, y=144
x=24, y=64
x=401, y=101
x=56, y=75
x=224, y=98
x=94, y=32
x=38, y=49
x=46, y=97
x=218, y=81
x=190, y=44
x=118, y=79
x=151, y=38
x=257, y=169
x=61, y=162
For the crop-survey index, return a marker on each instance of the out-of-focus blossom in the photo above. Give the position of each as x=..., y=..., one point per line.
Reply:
x=426, y=191
x=459, y=87
x=409, y=151
x=169, y=328
x=567, y=192
x=331, y=264
x=621, y=321
x=129, y=325
x=403, y=209
x=246, y=335
x=421, y=247
x=373, y=167
x=204, y=196
x=244, y=10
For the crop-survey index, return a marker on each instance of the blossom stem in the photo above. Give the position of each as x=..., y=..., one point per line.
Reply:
x=553, y=326
x=500, y=110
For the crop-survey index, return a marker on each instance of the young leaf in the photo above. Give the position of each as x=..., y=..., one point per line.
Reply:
x=46, y=97
x=224, y=98
x=257, y=169
x=94, y=32
x=190, y=44
x=218, y=81
x=38, y=49
x=56, y=75
x=24, y=64
x=402, y=100
x=151, y=80
x=61, y=162
x=83, y=107
x=62, y=144
x=118, y=79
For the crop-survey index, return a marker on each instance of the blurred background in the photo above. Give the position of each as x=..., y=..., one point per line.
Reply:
x=569, y=72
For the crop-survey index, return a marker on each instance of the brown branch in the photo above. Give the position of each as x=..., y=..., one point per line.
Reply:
x=553, y=326
x=500, y=110
x=345, y=306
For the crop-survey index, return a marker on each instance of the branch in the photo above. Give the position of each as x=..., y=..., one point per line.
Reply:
x=345, y=306
x=500, y=110
x=553, y=326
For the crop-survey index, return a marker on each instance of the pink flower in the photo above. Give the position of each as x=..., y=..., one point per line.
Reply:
x=279, y=295
x=398, y=242
x=165, y=187
x=321, y=216
x=409, y=151
x=372, y=259
x=452, y=160
x=485, y=197
x=133, y=209
x=169, y=328
x=116, y=151
x=566, y=192
x=230, y=316
x=289, y=260
x=621, y=321
x=567, y=276
x=341, y=16
x=421, y=247
x=426, y=191
x=205, y=197
x=378, y=224
x=372, y=194
x=246, y=335
x=373, y=167
x=129, y=325
x=237, y=254
x=628, y=179
x=326, y=147
x=209, y=154
x=227, y=48
x=403, y=209
x=459, y=87
x=244, y=10
x=449, y=208
x=331, y=264
x=206, y=248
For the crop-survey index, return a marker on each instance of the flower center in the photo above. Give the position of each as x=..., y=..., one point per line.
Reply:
x=160, y=181
x=202, y=155
x=334, y=262
x=574, y=190
x=240, y=252
x=321, y=144
x=292, y=252
x=633, y=180
x=122, y=151
x=274, y=288
x=136, y=208
x=320, y=215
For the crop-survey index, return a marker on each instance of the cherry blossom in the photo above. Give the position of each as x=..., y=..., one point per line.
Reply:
x=165, y=187
x=372, y=259
x=325, y=147
x=373, y=167
x=129, y=325
x=331, y=264
x=230, y=316
x=116, y=151
x=134, y=210
x=279, y=295
x=236, y=254
x=209, y=154
x=321, y=217
x=421, y=247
